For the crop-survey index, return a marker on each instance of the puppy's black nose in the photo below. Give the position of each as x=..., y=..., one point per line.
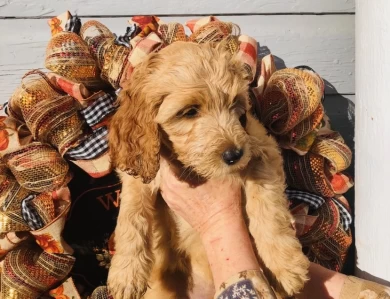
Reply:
x=232, y=155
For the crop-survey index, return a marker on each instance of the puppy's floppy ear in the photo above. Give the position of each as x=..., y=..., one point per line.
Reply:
x=134, y=138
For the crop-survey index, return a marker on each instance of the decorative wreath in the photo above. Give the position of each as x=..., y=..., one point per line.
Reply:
x=59, y=196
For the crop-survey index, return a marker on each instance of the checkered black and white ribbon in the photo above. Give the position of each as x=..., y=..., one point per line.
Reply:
x=30, y=215
x=315, y=201
x=99, y=109
x=5, y=108
x=345, y=216
x=73, y=24
x=124, y=40
x=92, y=147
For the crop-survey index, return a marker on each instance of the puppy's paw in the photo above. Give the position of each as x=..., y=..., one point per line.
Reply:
x=126, y=287
x=292, y=276
x=126, y=282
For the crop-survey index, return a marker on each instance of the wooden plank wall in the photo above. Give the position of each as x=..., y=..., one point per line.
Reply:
x=318, y=33
x=324, y=42
x=44, y=8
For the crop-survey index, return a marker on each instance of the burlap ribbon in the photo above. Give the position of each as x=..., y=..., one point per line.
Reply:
x=290, y=106
x=321, y=233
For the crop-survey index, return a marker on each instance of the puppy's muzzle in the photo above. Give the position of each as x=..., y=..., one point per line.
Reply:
x=232, y=155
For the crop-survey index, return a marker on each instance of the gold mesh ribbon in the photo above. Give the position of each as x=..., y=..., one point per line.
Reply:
x=35, y=87
x=11, y=240
x=50, y=114
x=111, y=58
x=11, y=197
x=28, y=271
x=38, y=167
x=100, y=293
x=172, y=32
x=215, y=32
x=96, y=35
x=114, y=63
x=68, y=55
x=289, y=104
x=13, y=109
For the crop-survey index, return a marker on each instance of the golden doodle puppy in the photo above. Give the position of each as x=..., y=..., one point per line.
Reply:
x=193, y=100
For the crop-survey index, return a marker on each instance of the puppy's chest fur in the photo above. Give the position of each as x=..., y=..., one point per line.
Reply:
x=174, y=238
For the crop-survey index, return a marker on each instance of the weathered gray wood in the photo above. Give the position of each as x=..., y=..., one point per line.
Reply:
x=326, y=43
x=36, y=8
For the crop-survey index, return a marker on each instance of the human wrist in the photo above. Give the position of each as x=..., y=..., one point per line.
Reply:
x=229, y=248
x=216, y=226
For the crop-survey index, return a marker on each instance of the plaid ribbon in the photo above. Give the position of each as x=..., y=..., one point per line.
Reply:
x=93, y=146
x=248, y=54
x=30, y=215
x=73, y=24
x=124, y=40
x=142, y=47
x=99, y=109
x=315, y=201
x=195, y=24
x=5, y=108
x=345, y=216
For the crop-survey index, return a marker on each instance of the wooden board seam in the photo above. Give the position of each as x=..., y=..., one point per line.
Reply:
x=189, y=15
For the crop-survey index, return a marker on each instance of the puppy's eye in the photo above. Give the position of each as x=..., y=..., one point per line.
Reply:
x=242, y=120
x=189, y=112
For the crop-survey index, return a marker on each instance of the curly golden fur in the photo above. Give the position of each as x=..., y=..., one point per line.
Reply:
x=193, y=99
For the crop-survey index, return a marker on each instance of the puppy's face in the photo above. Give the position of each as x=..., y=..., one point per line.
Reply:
x=204, y=106
x=194, y=95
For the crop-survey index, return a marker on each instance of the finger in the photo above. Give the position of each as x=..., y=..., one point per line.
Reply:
x=165, y=170
x=163, y=163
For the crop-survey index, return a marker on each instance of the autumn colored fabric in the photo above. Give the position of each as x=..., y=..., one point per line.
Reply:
x=74, y=62
x=110, y=57
x=58, y=24
x=38, y=167
x=11, y=197
x=75, y=90
x=28, y=271
x=290, y=106
x=67, y=290
x=321, y=232
x=49, y=113
x=35, y=171
x=320, y=170
x=289, y=103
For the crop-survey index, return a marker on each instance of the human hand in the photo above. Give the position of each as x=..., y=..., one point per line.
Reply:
x=205, y=206
x=214, y=210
